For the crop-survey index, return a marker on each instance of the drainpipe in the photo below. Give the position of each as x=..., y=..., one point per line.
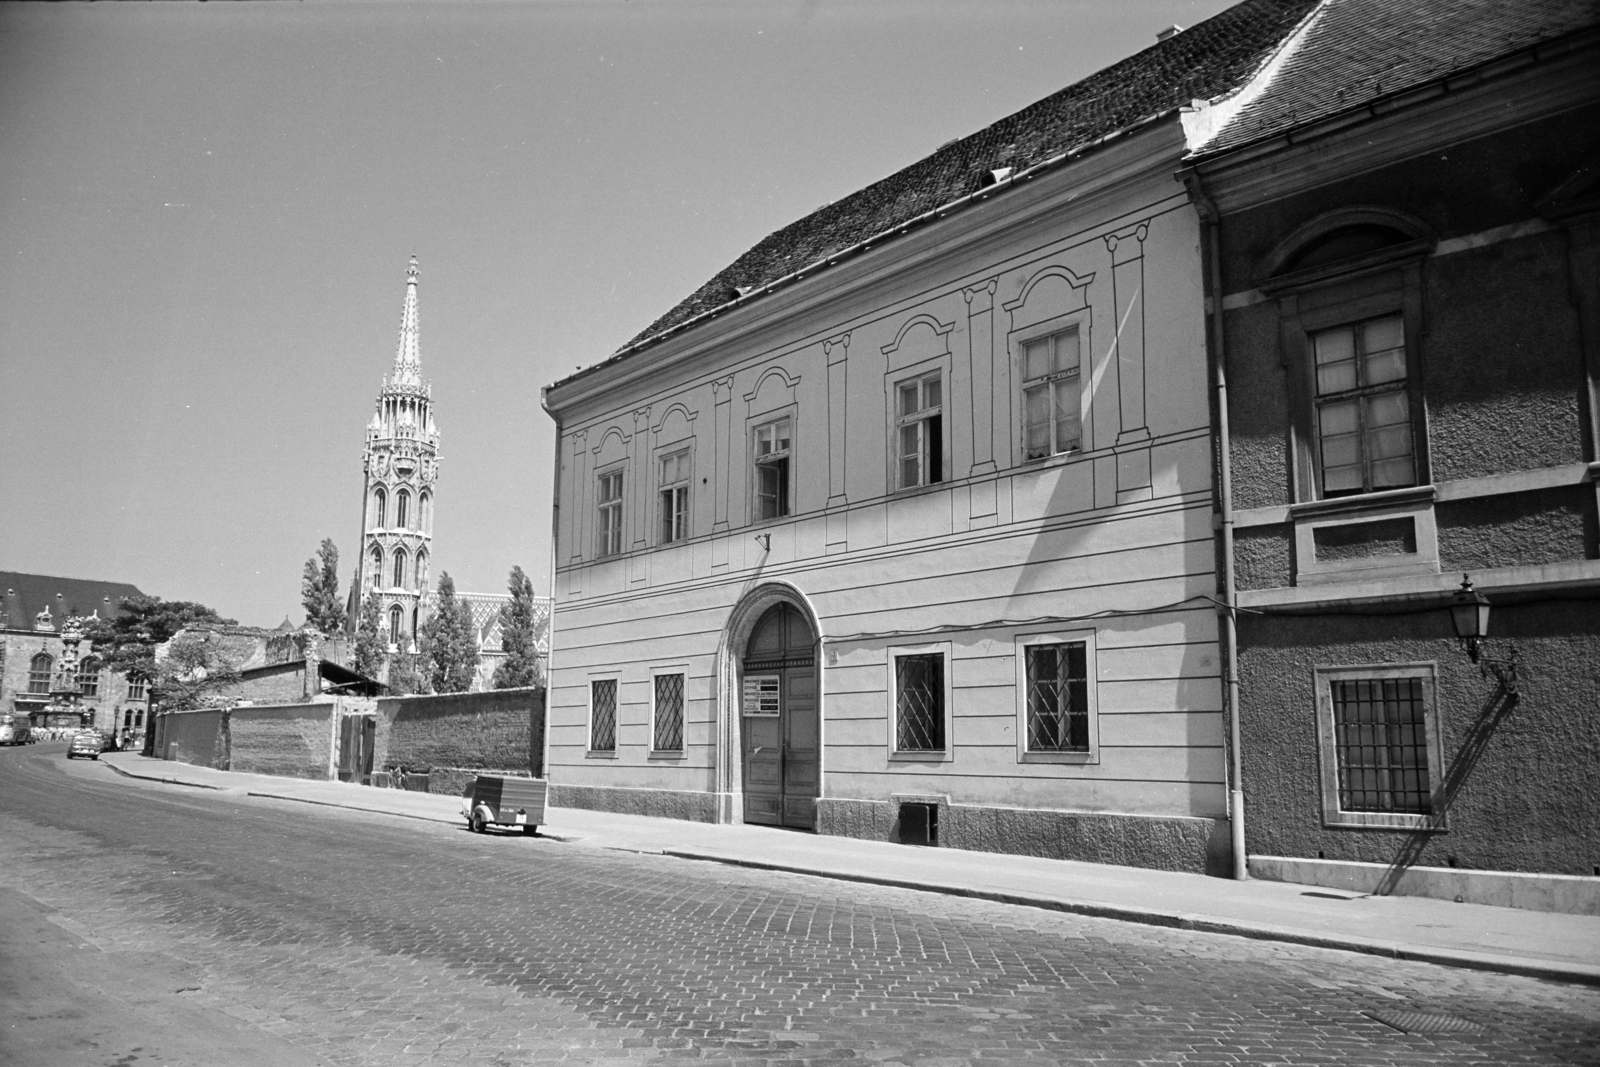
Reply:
x=550, y=627
x=1210, y=233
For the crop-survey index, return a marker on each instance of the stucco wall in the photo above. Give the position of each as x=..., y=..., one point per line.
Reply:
x=1526, y=799
x=495, y=730
x=1552, y=526
x=293, y=741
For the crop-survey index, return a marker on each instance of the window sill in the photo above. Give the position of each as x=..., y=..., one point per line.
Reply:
x=667, y=754
x=1381, y=820
x=600, y=753
x=1340, y=505
x=942, y=756
x=1070, y=758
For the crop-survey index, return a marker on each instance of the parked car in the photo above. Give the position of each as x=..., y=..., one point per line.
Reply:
x=88, y=743
x=14, y=731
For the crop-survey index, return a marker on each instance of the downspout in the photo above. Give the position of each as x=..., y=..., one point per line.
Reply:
x=1210, y=231
x=550, y=627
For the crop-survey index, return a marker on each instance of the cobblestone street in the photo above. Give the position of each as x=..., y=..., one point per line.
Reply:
x=375, y=940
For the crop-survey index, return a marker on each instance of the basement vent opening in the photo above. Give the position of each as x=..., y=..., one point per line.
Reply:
x=1425, y=1022
x=919, y=824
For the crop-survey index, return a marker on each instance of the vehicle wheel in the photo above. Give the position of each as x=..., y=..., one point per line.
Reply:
x=476, y=823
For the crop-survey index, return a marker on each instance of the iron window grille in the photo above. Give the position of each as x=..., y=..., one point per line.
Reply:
x=603, y=715
x=89, y=677
x=39, y=673
x=919, y=703
x=669, y=713
x=1363, y=407
x=1052, y=415
x=1381, y=744
x=919, y=431
x=611, y=513
x=1058, y=698
x=674, y=497
x=773, y=445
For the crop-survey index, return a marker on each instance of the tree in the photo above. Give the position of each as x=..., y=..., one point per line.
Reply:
x=126, y=642
x=449, y=641
x=194, y=669
x=519, y=637
x=371, y=647
x=319, y=590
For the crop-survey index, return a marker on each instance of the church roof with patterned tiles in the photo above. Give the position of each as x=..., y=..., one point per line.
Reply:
x=1354, y=52
x=23, y=596
x=1207, y=61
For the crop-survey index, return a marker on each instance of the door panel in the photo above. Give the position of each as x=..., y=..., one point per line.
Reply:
x=800, y=752
x=782, y=752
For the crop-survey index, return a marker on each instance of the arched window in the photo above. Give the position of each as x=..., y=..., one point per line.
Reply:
x=39, y=673
x=402, y=509
x=425, y=512
x=399, y=568
x=380, y=508
x=375, y=575
x=89, y=676
x=396, y=623
x=422, y=568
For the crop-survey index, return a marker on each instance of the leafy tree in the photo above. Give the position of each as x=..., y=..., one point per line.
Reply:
x=319, y=590
x=406, y=674
x=194, y=670
x=449, y=641
x=126, y=642
x=518, y=637
x=371, y=647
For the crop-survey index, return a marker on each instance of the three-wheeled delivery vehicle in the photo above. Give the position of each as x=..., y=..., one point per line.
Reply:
x=490, y=800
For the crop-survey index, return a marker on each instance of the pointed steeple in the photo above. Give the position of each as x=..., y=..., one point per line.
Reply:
x=408, y=356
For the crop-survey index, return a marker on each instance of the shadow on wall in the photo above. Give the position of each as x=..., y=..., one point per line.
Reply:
x=1473, y=745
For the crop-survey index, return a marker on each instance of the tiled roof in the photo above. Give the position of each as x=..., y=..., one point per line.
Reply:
x=23, y=596
x=1356, y=51
x=1209, y=60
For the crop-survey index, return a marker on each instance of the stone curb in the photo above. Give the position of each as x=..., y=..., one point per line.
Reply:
x=164, y=781
x=1478, y=961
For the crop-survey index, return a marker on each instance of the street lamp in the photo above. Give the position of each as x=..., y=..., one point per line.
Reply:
x=1469, y=614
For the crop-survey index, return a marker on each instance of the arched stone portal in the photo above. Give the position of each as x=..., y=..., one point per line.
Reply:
x=779, y=719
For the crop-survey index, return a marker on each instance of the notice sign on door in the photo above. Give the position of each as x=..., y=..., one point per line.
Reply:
x=761, y=694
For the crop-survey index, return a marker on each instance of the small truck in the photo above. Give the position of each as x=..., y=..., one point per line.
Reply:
x=490, y=800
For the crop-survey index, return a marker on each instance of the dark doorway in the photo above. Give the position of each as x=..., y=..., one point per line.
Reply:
x=779, y=726
x=356, y=736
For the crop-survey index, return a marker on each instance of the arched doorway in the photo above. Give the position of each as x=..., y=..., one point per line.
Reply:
x=778, y=717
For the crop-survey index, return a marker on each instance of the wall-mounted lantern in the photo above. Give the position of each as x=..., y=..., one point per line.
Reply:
x=1469, y=614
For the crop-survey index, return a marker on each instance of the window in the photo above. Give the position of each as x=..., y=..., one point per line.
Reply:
x=1363, y=408
x=1052, y=415
x=376, y=570
x=1056, y=698
x=136, y=688
x=402, y=509
x=919, y=702
x=39, y=673
x=380, y=508
x=1380, y=745
x=919, y=431
x=89, y=676
x=399, y=568
x=667, y=732
x=603, y=715
x=425, y=512
x=396, y=624
x=773, y=444
x=674, y=497
x=422, y=569
x=611, y=513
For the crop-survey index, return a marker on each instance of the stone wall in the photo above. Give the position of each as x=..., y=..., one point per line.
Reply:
x=280, y=683
x=195, y=737
x=461, y=733
x=292, y=740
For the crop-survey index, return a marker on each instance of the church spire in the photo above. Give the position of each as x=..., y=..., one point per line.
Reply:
x=408, y=356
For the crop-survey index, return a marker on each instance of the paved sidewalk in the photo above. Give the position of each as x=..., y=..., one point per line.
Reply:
x=1507, y=940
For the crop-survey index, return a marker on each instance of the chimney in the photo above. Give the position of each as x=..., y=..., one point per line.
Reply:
x=1169, y=32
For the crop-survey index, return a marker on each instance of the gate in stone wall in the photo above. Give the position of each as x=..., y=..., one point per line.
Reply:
x=357, y=737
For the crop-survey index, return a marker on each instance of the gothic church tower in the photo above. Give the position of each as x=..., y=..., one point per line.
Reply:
x=401, y=462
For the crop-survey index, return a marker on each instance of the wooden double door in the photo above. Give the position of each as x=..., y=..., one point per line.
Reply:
x=779, y=728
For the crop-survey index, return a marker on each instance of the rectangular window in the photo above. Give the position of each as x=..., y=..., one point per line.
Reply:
x=136, y=688
x=1363, y=407
x=668, y=730
x=773, y=445
x=603, y=715
x=611, y=513
x=39, y=674
x=1380, y=745
x=674, y=497
x=1052, y=415
x=1058, y=697
x=919, y=703
x=919, y=431
x=89, y=679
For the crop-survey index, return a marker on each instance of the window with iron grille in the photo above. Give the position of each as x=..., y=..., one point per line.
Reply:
x=89, y=676
x=1380, y=744
x=919, y=712
x=136, y=688
x=603, y=715
x=1058, y=698
x=39, y=673
x=674, y=497
x=1363, y=407
x=610, y=513
x=773, y=444
x=668, y=731
x=1052, y=415
x=919, y=431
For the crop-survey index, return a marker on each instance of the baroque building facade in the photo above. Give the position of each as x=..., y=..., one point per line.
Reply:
x=400, y=464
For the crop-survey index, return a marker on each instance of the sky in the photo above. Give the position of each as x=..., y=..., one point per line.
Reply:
x=206, y=211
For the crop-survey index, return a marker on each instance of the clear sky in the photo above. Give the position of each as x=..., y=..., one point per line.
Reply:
x=206, y=212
